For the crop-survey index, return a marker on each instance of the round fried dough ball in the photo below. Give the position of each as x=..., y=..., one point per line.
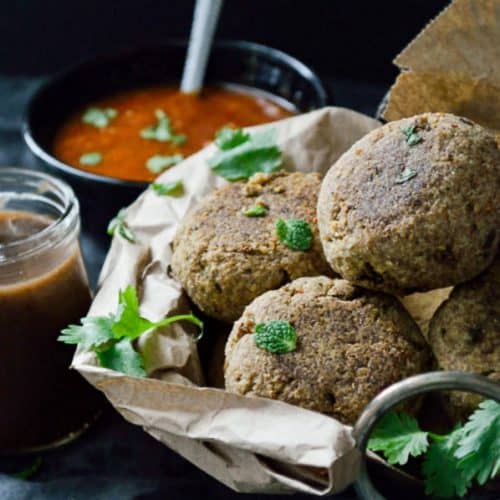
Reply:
x=464, y=334
x=224, y=258
x=413, y=205
x=351, y=344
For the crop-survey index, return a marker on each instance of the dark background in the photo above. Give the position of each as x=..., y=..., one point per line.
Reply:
x=354, y=39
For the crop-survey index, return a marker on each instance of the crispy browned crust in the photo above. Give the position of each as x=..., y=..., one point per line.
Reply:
x=465, y=334
x=438, y=228
x=224, y=259
x=352, y=343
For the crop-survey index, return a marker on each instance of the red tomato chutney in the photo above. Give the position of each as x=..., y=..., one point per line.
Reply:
x=118, y=146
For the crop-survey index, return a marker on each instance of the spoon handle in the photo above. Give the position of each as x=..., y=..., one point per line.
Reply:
x=206, y=15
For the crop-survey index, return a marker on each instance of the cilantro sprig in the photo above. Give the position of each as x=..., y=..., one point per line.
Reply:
x=99, y=117
x=111, y=337
x=294, y=233
x=242, y=155
x=162, y=130
x=118, y=225
x=276, y=336
x=453, y=461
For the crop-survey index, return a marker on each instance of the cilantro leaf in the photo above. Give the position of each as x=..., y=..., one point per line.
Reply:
x=228, y=138
x=118, y=225
x=259, y=153
x=411, y=135
x=443, y=477
x=276, y=336
x=92, y=158
x=128, y=322
x=122, y=357
x=478, y=449
x=159, y=163
x=256, y=210
x=162, y=130
x=94, y=332
x=294, y=233
x=99, y=117
x=175, y=188
x=398, y=436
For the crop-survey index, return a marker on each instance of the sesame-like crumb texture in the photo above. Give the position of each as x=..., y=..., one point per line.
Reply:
x=352, y=343
x=403, y=215
x=224, y=259
x=465, y=334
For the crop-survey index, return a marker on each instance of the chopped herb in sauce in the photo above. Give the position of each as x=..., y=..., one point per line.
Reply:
x=162, y=130
x=242, y=155
x=175, y=188
x=99, y=117
x=411, y=135
x=90, y=159
x=159, y=163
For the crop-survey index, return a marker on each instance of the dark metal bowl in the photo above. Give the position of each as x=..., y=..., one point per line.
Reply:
x=234, y=62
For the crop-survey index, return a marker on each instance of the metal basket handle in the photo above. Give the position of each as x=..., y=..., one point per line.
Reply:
x=399, y=392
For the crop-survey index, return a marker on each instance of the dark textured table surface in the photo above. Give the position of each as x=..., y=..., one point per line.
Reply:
x=114, y=459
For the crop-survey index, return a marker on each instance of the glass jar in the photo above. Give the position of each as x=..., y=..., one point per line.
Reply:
x=43, y=288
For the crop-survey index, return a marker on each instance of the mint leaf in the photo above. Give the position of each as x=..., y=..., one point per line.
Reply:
x=117, y=225
x=294, y=233
x=276, y=336
x=228, y=138
x=159, y=163
x=478, y=449
x=398, y=436
x=94, y=332
x=443, y=477
x=99, y=117
x=122, y=357
x=259, y=153
x=92, y=158
x=256, y=210
x=162, y=130
x=175, y=188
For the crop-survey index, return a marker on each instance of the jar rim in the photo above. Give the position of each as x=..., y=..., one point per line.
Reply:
x=67, y=207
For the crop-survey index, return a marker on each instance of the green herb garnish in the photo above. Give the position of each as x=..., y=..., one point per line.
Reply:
x=453, y=461
x=406, y=175
x=294, y=233
x=228, y=138
x=118, y=225
x=243, y=155
x=158, y=163
x=412, y=137
x=30, y=471
x=99, y=117
x=111, y=337
x=162, y=130
x=175, y=188
x=276, y=336
x=256, y=210
x=92, y=158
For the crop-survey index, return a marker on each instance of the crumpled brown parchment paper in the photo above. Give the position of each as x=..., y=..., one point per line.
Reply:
x=250, y=444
